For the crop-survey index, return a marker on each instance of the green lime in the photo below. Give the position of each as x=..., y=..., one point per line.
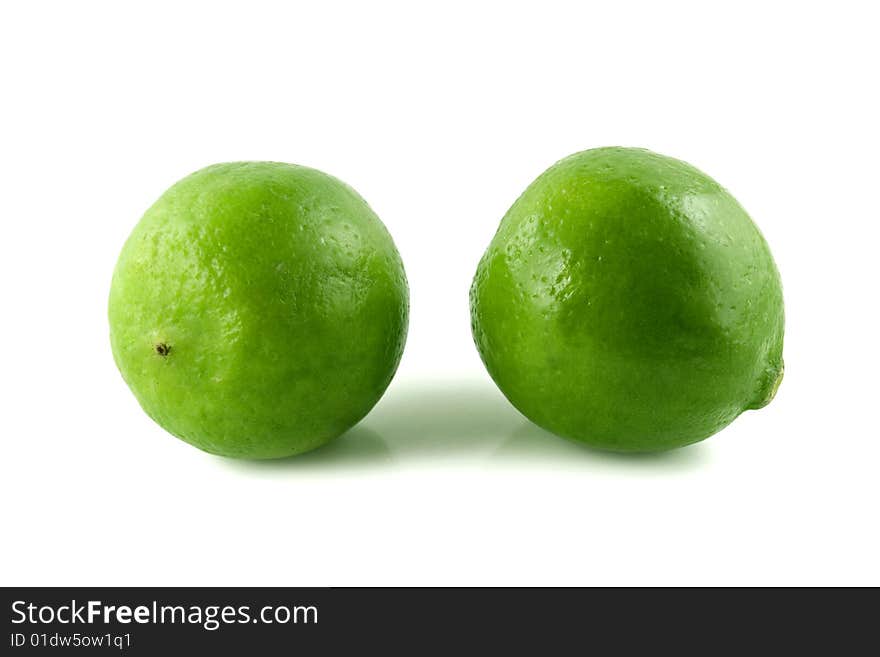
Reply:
x=627, y=301
x=258, y=309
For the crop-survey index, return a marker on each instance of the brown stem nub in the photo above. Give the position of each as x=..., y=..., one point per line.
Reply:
x=163, y=349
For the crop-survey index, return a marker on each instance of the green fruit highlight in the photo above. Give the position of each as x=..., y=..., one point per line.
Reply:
x=628, y=301
x=258, y=309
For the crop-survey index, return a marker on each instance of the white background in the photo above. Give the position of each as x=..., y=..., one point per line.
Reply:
x=439, y=116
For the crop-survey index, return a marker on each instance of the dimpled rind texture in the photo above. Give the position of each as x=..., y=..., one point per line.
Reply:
x=627, y=301
x=258, y=309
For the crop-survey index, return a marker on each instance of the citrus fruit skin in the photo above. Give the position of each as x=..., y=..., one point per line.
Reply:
x=258, y=309
x=627, y=301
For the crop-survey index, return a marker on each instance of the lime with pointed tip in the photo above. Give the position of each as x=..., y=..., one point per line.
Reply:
x=258, y=309
x=628, y=302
